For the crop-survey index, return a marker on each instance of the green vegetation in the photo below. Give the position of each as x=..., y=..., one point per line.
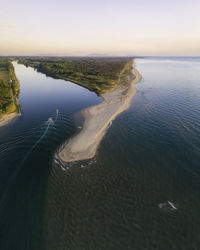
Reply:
x=96, y=74
x=9, y=88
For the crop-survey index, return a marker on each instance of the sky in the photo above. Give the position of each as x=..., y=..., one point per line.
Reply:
x=116, y=27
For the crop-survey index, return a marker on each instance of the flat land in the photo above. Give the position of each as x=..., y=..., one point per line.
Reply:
x=96, y=74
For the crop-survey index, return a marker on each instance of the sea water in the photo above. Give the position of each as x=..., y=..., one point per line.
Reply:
x=141, y=190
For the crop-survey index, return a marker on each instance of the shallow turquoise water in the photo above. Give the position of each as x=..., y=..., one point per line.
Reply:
x=120, y=199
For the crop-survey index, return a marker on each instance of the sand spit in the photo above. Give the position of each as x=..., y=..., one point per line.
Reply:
x=7, y=118
x=97, y=119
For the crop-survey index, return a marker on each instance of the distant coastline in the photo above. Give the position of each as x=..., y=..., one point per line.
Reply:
x=97, y=119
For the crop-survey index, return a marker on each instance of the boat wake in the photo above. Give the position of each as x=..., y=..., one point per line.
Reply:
x=50, y=123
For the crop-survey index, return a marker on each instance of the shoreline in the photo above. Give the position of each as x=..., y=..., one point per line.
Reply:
x=7, y=118
x=14, y=85
x=84, y=145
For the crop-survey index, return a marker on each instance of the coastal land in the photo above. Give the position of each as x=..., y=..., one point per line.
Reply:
x=112, y=78
x=97, y=118
x=9, y=92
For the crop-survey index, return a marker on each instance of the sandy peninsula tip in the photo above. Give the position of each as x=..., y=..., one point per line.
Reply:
x=97, y=119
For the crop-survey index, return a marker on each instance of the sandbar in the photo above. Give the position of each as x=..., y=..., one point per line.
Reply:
x=7, y=118
x=97, y=118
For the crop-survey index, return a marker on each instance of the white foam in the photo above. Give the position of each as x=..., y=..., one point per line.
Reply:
x=62, y=168
x=167, y=205
x=172, y=205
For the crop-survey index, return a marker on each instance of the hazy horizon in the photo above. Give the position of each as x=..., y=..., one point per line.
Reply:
x=98, y=55
x=117, y=28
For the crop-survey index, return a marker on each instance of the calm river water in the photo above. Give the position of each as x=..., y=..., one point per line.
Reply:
x=141, y=191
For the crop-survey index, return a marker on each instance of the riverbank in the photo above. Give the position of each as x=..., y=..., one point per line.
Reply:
x=97, y=119
x=7, y=118
x=9, y=92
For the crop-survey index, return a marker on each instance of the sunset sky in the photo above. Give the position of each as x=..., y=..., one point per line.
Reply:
x=121, y=27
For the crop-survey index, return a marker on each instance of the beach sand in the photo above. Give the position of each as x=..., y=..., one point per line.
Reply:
x=97, y=119
x=7, y=118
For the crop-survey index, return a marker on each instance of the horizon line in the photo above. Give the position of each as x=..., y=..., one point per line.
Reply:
x=96, y=55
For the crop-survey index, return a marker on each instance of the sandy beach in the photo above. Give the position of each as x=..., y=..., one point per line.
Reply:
x=97, y=119
x=7, y=118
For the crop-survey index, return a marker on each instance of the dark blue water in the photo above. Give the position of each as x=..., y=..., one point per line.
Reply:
x=142, y=189
x=27, y=147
